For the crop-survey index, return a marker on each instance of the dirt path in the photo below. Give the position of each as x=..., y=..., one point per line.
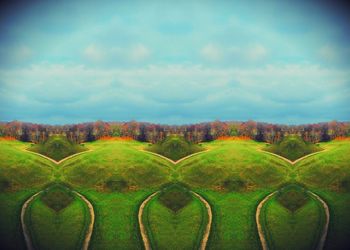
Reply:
x=210, y=218
x=54, y=161
x=145, y=239
x=92, y=221
x=289, y=161
x=257, y=219
x=25, y=230
x=170, y=160
x=322, y=241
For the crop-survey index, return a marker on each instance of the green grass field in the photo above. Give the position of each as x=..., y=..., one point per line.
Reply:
x=233, y=176
x=57, y=147
x=328, y=175
x=232, y=160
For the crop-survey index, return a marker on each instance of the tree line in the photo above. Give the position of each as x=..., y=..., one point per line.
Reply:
x=149, y=132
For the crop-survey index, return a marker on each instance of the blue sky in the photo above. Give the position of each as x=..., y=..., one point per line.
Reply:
x=174, y=61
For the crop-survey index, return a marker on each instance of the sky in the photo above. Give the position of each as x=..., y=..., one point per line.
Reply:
x=174, y=62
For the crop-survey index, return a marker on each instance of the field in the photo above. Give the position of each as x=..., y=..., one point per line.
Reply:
x=117, y=176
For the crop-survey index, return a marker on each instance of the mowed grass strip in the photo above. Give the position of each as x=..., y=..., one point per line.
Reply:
x=233, y=225
x=116, y=225
x=286, y=230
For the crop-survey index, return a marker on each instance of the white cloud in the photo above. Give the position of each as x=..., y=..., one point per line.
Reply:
x=191, y=92
x=328, y=53
x=139, y=52
x=211, y=52
x=256, y=52
x=94, y=53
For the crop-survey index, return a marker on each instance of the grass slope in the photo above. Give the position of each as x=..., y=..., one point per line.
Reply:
x=328, y=175
x=174, y=147
x=20, y=169
x=251, y=176
x=116, y=225
x=287, y=230
x=169, y=230
x=57, y=230
x=116, y=160
x=21, y=175
x=57, y=147
x=233, y=160
x=292, y=147
x=134, y=175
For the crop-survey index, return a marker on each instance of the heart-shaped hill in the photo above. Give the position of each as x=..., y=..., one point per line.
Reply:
x=57, y=197
x=57, y=147
x=292, y=197
x=175, y=147
x=293, y=147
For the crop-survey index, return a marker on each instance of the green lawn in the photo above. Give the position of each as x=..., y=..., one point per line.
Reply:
x=57, y=230
x=116, y=224
x=233, y=177
x=286, y=230
x=169, y=230
x=231, y=160
x=21, y=175
x=233, y=219
x=116, y=160
x=328, y=175
x=10, y=223
x=22, y=169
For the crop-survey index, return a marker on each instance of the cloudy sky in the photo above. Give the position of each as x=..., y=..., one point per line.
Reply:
x=174, y=61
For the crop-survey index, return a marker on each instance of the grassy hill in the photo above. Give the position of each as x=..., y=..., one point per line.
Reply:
x=175, y=212
x=286, y=229
x=175, y=147
x=328, y=174
x=293, y=147
x=116, y=177
x=21, y=175
x=53, y=227
x=57, y=147
x=233, y=176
